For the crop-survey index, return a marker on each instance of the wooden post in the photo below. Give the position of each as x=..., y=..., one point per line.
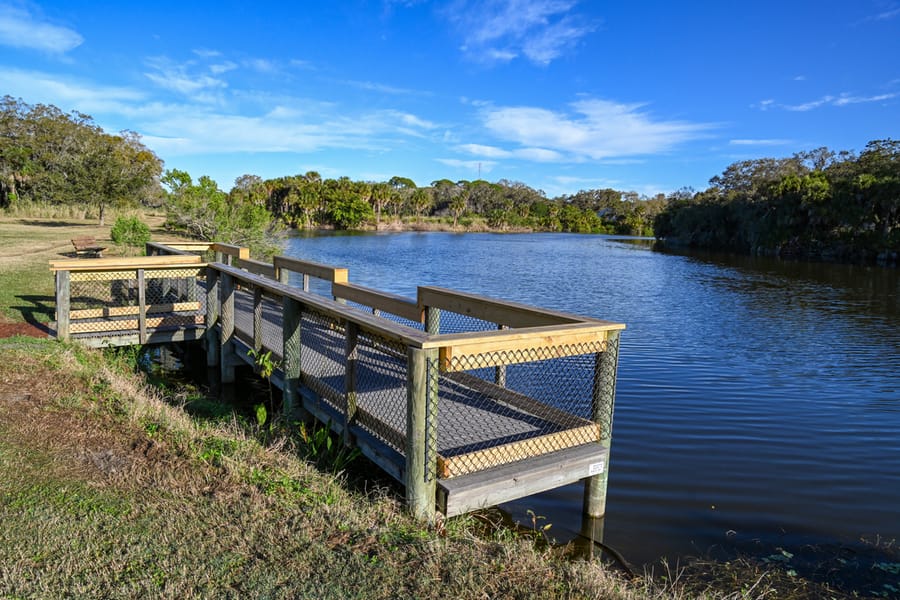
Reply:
x=500, y=370
x=305, y=282
x=219, y=256
x=351, y=354
x=142, y=307
x=602, y=404
x=282, y=275
x=227, y=356
x=63, y=304
x=291, y=363
x=432, y=320
x=257, y=318
x=212, y=317
x=420, y=477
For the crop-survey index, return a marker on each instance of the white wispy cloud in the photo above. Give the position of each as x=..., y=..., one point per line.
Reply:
x=486, y=166
x=67, y=93
x=242, y=122
x=22, y=29
x=844, y=99
x=177, y=77
x=484, y=151
x=531, y=154
x=761, y=142
x=501, y=30
x=889, y=11
x=593, y=129
x=380, y=87
x=223, y=67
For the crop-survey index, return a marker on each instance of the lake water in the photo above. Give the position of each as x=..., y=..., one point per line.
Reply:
x=758, y=401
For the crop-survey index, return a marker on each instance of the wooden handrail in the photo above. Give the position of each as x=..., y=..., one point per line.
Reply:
x=384, y=301
x=257, y=267
x=464, y=351
x=167, y=248
x=131, y=262
x=314, y=269
x=366, y=321
x=232, y=250
x=502, y=312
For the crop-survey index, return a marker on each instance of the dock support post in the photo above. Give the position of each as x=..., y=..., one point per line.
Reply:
x=142, y=307
x=257, y=318
x=227, y=356
x=281, y=274
x=351, y=356
x=212, y=317
x=432, y=320
x=500, y=370
x=63, y=304
x=292, y=335
x=420, y=475
x=602, y=404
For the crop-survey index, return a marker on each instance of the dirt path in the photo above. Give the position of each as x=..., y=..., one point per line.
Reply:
x=11, y=329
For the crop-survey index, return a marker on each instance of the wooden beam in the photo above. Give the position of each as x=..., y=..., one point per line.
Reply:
x=351, y=357
x=129, y=262
x=142, y=306
x=63, y=304
x=232, y=250
x=226, y=342
x=464, y=351
x=131, y=339
x=124, y=311
x=603, y=397
x=317, y=270
x=498, y=455
x=292, y=350
x=211, y=339
x=420, y=480
x=383, y=301
x=257, y=267
x=163, y=272
x=367, y=322
x=163, y=249
x=134, y=324
x=501, y=312
x=517, y=480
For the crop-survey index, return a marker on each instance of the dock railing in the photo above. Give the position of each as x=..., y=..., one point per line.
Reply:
x=137, y=300
x=469, y=401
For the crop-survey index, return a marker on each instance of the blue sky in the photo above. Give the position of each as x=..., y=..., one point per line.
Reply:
x=559, y=94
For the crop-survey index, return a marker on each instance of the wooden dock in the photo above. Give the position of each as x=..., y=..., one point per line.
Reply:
x=469, y=401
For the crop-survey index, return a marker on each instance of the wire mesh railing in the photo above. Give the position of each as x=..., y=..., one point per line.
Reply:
x=448, y=385
x=126, y=301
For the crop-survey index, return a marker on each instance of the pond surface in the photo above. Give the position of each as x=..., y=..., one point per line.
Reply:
x=758, y=401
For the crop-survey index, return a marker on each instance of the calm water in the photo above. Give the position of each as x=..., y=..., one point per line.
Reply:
x=758, y=401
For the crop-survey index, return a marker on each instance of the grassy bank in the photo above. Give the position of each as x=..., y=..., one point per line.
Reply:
x=109, y=488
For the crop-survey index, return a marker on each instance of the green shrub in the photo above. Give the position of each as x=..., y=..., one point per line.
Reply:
x=130, y=231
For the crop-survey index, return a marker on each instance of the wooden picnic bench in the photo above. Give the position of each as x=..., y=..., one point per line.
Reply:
x=87, y=246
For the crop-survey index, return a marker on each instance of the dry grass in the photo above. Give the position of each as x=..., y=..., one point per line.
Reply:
x=107, y=491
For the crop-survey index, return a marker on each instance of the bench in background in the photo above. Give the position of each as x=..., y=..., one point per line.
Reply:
x=87, y=246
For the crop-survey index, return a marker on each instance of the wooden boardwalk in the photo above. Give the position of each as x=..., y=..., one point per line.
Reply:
x=461, y=418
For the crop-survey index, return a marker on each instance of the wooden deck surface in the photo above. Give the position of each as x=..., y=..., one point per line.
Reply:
x=479, y=424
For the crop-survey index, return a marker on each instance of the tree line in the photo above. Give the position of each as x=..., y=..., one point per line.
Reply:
x=818, y=204
x=308, y=200
x=48, y=157
x=51, y=157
